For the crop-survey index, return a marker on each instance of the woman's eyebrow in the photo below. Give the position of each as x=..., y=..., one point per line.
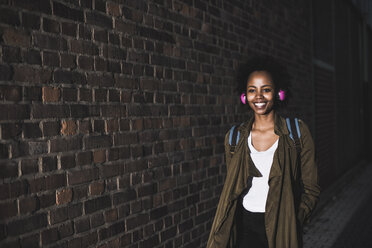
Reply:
x=266, y=85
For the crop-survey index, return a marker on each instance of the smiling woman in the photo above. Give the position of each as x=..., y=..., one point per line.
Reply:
x=275, y=73
x=260, y=92
x=271, y=184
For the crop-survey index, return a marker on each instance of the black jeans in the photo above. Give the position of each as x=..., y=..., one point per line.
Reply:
x=251, y=230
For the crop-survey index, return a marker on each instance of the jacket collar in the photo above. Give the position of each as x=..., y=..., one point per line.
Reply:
x=280, y=127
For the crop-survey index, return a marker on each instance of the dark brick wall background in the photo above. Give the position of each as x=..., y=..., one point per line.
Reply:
x=113, y=113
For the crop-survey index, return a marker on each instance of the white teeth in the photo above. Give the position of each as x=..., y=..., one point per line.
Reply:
x=259, y=104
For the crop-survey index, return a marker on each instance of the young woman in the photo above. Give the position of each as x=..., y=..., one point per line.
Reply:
x=271, y=185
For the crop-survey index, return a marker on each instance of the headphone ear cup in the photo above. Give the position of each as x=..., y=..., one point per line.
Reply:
x=243, y=98
x=281, y=95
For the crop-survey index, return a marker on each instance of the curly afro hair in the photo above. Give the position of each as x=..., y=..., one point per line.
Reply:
x=277, y=71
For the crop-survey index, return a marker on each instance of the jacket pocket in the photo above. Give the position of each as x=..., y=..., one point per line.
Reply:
x=301, y=216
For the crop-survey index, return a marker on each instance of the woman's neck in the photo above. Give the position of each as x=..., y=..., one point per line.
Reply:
x=263, y=122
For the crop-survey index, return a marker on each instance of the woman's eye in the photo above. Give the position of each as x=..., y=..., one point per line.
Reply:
x=266, y=90
x=250, y=90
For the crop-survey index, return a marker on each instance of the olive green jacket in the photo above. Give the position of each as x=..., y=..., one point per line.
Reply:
x=293, y=188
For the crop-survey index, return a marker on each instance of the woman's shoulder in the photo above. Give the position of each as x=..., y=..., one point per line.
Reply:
x=303, y=126
x=306, y=137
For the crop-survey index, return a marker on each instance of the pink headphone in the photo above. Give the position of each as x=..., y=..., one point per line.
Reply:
x=281, y=96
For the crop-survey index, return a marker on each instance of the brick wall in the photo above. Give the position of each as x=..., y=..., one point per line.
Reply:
x=113, y=113
x=325, y=122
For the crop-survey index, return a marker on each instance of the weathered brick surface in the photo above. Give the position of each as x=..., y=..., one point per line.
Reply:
x=51, y=94
x=68, y=127
x=64, y=196
x=113, y=113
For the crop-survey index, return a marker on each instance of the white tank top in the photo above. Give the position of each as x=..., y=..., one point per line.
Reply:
x=255, y=199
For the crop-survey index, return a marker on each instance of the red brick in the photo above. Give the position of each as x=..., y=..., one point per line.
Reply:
x=102, y=80
x=51, y=94
x=27, y=224
x=32, y=130
x=83, y=176
x=96, y=188
x=112, y=230
x=137, y=124
x=65, y=144
x=29, y=166
x=99, y=156
x=9, y=16
x=28, y=205
x=112, y=125
x=82, y=225
x=83, y=158
x=111, y=243
x=68, y=60
x=8, y=209
x=47, y=183
x=100, y=141
x=68, y=127
x=30, y=241
x=32, y=94
x=96, y=18
x=47, y=200
x=136, y=221
x=85, y=127
x=49, y=236
x=51, y=59
x=15, y=37
x=101, y=35
x=63, y=196
x=32, y=75
x=114, y=96
x=10, y=93
x=69, y=29
x=42, y=6
x=83, y=47
x=46, y=41
x=51, y=26
x=111, y=170
x=5, y=71
x=111, y=215
x=8, y=168
x=86, y=62
x=113, y=8
x=67, y=12
x=49, y=164
x=114, y=38
x=125, y=138
x=14, y=112
x=96, y=204
x=69, y=94
x=65, y=230
x=51, y=128
x=97, y=220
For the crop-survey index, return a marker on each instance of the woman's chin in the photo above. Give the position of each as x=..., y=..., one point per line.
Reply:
x=264, y=111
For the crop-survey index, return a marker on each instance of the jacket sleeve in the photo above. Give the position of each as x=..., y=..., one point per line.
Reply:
x=228, y=155
x=309, y=175
x=220, y=240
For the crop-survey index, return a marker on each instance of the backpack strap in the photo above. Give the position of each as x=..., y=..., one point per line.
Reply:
x=292, y=124
x=233, y=138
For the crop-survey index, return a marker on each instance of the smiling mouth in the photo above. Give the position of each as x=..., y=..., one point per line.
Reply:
x=260, y=104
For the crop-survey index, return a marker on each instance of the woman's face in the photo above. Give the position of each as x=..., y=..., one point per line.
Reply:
x=260, y=92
